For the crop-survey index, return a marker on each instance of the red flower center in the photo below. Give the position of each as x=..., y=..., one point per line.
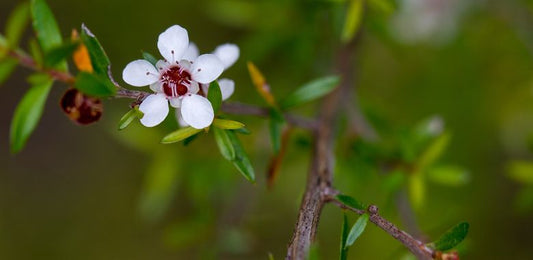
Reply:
x=176, y=81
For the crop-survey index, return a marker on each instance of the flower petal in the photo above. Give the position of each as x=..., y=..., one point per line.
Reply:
x=140, y=73
x=172, y=43
x=162, y=65
x=206, y=68
x=179, y=118
x=191, y=53
x=197, y=111
x=155, y=109
x=193, y=87
x=227, y=86
x=227, y=53
x=175, y=102
x=157, y=87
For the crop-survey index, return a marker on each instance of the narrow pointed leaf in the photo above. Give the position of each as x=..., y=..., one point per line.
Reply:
x=276, y=124
x=357, y=229
x=417, y=190
x=449, y=175
x=241, y=161
x=179, y=135
x=214, y=95
x=261, y=85
x=149, y=57
x=350, y=202
x=344, y=236
x=7, y=66
x=46, y=28
x=92, y=85
x=16, y=23
x=29, y=111
x=434, y=151
x=99, y=59
x=127, y=118
x=59, y=54
x=35, y=51
x=310, y=91
x=452, y=237
x=224, y=144
x=227, y=124
x=352, y=23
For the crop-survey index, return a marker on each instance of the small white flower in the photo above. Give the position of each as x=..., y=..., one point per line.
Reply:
x=228, y=54
x=176, y=80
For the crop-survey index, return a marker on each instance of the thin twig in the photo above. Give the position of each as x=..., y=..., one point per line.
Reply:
x=236, y=108
x=417, y=247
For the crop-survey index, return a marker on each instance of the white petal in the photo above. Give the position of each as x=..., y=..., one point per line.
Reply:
x=206, y=68
x=228, y=53
x=191, y=53
x=193, y=87
x=205, y=88
x=162, y=65
x=227, y=86
x=155, y=109
x=157, y=87
x=180, y=120
x=172, y=43
x=197, y=111
x=140, y=73
x=185, y=64
x=175, y=102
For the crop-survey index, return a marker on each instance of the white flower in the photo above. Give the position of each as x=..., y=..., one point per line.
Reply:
x=228, y=54
x=176, y=80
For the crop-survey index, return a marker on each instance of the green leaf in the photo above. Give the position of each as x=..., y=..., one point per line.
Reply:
x=451, y=238
x=189, y=139
x=29, y=111
x=241, y=161
x=224, y=144
x=314, y=253
x=7, y=66
x=127, y=118
x=344, y=236
x=310, y=91
x=227, y=124
x=243, y=131
x=276, y=124
x=16, y=23
x=45, y=26
x=214, y=95
x=92, y=85
x=179, y=135
x=350, y=202
x=150, y=58
x=434, y=151
x=99, y=58
x=357, y=229
x=417, y=190
x=449, y=175
x=59, y=53
x=521, y=171
x=384, y=6
x=35, y=51
x=159, y=185
x=352, y=23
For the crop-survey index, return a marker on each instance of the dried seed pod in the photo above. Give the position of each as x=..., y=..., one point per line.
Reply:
x=81, y=108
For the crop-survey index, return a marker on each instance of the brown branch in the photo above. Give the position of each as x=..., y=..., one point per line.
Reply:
x=417, y=247
x=320, y=177
x=236, y=108
x=26, y=61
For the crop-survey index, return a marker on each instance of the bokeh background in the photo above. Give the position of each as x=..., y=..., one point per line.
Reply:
x=96, y=193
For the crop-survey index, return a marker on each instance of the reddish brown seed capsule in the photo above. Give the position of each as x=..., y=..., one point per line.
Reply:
x=80, y=108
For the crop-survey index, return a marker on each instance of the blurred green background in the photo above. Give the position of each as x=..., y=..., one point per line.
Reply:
x=96, y=193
